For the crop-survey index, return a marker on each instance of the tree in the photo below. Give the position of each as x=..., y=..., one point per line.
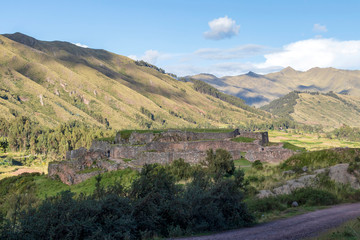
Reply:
x=4, y=144
x=220, y=163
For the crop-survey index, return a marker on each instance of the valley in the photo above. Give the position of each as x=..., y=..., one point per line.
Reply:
x=83, y=126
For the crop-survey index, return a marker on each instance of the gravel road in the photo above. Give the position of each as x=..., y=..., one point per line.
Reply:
x=298, y=227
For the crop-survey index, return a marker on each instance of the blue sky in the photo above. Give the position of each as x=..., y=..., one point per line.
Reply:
x=189, y=37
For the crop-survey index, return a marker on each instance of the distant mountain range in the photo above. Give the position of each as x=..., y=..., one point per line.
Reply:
x=54, y=82
x=258, y=90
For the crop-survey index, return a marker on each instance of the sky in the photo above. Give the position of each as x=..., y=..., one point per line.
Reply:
x=188, y=37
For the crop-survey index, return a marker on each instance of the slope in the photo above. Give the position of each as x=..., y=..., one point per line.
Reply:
x=259, y=90
x=59, y=81
x=330, y=110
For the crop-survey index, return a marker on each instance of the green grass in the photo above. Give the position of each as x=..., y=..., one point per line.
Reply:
x=309, y=141
x=125, y=134
x=243, y=139
x=293, y=147
x=347, y=231
x=208, y=130
x=322, y=158
x=127, y=159
x=243, y=164
x=43, y=186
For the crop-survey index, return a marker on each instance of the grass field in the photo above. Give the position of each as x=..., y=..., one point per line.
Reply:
x=310, y=142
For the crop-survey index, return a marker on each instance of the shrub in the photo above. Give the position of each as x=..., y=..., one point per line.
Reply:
x=312, y=197
x=219, y=163
x=258, y=165
x=180, y=169
x=154, y=206
x=264, y=205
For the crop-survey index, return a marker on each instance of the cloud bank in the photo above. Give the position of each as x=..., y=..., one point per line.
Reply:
x=300, y=55
x=306, y=54
x=221, y=28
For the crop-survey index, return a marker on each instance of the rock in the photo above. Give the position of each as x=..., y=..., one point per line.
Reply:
x=291, y=185
x=265, y=193
x=78, y=153
x=295, y=204
x=305, y=169
x=339, y=174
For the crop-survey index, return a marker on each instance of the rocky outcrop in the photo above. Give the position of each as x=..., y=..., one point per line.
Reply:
x=338, y=173
x=146, y=148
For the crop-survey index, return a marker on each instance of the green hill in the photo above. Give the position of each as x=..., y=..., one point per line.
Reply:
x=54, y=82
x=330, y=110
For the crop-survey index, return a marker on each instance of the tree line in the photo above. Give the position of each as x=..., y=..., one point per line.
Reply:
x=25, y=134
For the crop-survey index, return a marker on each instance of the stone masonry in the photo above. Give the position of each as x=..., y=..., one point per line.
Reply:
x=163, y=148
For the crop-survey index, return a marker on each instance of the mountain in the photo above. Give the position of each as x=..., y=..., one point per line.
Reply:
x=54, y=82
x=259, y=90
x=330, y=110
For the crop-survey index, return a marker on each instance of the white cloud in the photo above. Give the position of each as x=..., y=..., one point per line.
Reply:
x=150, y=56
x=221, y=28
x=81, y=45
x=306, y=54
x=319, y=28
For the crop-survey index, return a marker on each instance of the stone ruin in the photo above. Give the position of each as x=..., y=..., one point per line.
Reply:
x=163, y=148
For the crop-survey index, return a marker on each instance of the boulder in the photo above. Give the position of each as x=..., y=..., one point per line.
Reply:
x=339, y=174
x=265, y=193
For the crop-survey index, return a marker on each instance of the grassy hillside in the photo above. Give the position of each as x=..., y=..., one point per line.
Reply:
x=57, y=81
x=329, y=110
x=259, y=90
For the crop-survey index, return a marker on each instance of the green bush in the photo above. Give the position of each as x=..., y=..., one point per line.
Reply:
x=264, y=205
x=154, y=206
x=180, y=169
x=220, y=163
x=258, y=165
x=304, y=197
x=312, y=197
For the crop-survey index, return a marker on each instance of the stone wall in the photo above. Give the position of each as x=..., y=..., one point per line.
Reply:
x=272, y=154
x=194, y=152
x=261, y=136
x=165, y=147
x=176, y=136
x=78, y=160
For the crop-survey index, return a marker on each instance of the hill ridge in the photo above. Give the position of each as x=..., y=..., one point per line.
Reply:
x=58, y=81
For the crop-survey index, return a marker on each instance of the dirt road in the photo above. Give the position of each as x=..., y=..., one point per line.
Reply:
x=298, y=227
